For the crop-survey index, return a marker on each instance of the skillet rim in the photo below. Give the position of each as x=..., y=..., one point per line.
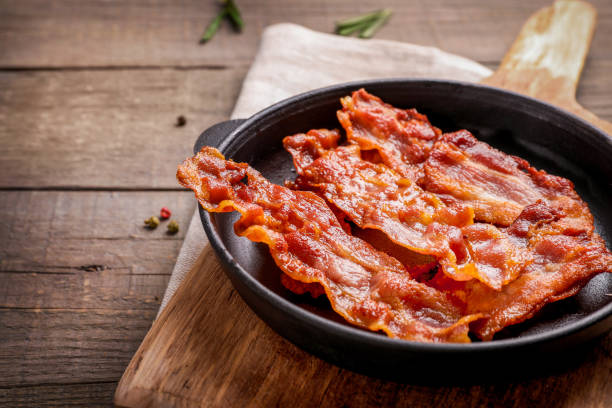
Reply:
x=371, y=339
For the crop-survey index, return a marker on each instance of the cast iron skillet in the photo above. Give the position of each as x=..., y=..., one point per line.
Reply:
x=546, y=136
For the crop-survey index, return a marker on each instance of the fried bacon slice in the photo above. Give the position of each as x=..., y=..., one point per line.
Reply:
x=565, y=255
x=455, y=166
x=368, y=288
x=375, y=197
x=421, y=267
x=496, y=185
x=534, y=243
x=299, y=288
x=541, y=217
x=402, y=137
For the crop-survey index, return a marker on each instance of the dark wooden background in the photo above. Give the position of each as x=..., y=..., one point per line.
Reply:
x=89, y=94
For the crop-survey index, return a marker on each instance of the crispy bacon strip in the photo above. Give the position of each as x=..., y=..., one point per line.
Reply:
x=421, y=267
x=503, y=190
x=548, y=223
x=299, y=288
x=455, y=166
x=368, y=288
x=496, y=185
x=565, y=252
x=376, y=197
x=403, y=138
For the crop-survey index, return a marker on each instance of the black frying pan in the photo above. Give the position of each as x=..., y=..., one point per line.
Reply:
x=546, y=136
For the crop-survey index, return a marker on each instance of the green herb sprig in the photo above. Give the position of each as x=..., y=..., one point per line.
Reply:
x=366, y=25
x=230, y=11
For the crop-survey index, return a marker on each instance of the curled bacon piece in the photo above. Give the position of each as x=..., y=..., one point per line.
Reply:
x=368, y=288
x=375, y=197
x=299, y=288
x=455, y=166
x=419, y=266
x=547, y=226
x=413, y=194
x=402, y=137
x=565, y=254
x=496, y=185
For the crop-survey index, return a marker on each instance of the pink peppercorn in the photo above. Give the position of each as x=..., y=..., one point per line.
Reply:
x=165, y=213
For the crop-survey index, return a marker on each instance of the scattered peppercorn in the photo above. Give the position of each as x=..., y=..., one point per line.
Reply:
x=180, y=121
x=173, y=227
x=165, y=213
x=152, y=222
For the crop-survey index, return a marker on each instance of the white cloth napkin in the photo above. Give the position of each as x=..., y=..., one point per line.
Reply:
x=293, y=59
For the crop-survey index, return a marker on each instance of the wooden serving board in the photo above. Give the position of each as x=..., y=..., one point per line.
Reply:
x=547, y=57
x=207, y=348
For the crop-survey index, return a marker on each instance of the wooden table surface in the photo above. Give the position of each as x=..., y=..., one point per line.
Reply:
x=89, y=95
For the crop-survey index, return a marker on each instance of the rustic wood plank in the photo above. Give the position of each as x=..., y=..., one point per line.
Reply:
x=596, y=74
x=191, y=357
x=63, y=346
x=87, y=249
x=585, y=386
x=102, y=107
x=37, y=33
x=121, y=123
x=106, y=128
x=183, y=362
x=62, y=231
x=547, y=57
x=82, y=281
x=108, y=289
x=96, y=394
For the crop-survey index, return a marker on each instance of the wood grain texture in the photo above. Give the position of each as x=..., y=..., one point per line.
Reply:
x=72, y=345
x=92, y=90
x=36, y=33
x=86, y=394
x=81, y=281
x=193, y=357
x=120, y=124
x=62, y=231
x=547, y=57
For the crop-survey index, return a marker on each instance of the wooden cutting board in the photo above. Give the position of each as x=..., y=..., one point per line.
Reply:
x=207, y=348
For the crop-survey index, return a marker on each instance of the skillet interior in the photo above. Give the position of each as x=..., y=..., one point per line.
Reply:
x=545, y=136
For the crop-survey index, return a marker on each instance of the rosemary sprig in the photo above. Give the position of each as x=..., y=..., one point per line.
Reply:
x=366, y=24
x=234, y=14
x=364, y=18
x=229, y=11
x=369, y=31
x=212, y=28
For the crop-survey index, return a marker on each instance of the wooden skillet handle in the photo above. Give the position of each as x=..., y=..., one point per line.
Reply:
x=547, y=57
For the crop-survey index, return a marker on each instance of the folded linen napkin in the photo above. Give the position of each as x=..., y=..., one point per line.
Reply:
x=293, y=59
